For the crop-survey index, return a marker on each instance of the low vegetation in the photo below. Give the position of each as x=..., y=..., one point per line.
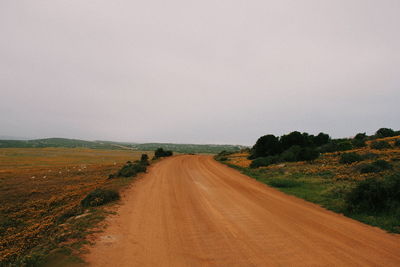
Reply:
x=52, y=198
x=132, y=169
x=349, y=158
x=223, y=155
x=100, y=197
x=360, y=181
x=161, y=153
x=380, y=195
x=380, y=145
x=56, y=142
x=376, y=166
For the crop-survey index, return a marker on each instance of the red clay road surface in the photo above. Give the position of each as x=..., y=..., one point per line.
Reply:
x=194, y=211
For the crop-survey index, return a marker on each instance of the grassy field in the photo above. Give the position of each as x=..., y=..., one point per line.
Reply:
x=326, y=181
x=40, y=193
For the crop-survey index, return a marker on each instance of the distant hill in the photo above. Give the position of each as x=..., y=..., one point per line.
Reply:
x=72, y=143
x=55, y=142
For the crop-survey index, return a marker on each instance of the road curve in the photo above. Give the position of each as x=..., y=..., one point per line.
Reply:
x=193, y=211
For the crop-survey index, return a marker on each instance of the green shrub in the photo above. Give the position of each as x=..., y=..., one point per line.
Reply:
x=329, y=147
x=375, y=195
x=264, y=161
x=360, y=136
x=357, y=143
x=308, y=154
x=293, y=139
x=144, y=159
x=385, y=132
x=397, y=143
x=127, y=170
x=160, y=153
x=370, y=156
x=376, y=166
x=291, y=154
x=348, y=158
x=267, y=145
x=380, y=145
x=345, y=145
x=369, y=168
x=392, y=184
x=382, y=164
x=368, y=195
x=297, y=153
x=99, y=197
x=321, y=139
x=132, y=169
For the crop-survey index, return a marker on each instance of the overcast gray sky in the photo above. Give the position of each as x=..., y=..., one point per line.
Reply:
x=198, y=71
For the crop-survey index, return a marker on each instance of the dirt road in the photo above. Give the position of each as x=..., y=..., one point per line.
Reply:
x=194, y=211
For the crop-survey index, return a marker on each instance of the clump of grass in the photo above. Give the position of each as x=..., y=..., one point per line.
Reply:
x=75, y=211
x=283, y=183
x=131, y=169
x=100, y=197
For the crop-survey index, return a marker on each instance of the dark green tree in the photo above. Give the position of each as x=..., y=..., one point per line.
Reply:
x=293, y=139
x=267, y=145
x=360, y=136
x=321, y=139
x=385, y=132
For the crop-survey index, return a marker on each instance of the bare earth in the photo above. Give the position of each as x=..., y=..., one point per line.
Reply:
x=194, y=211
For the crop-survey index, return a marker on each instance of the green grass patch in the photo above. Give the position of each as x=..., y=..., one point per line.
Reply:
x=387, y=221
x=284, y=183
